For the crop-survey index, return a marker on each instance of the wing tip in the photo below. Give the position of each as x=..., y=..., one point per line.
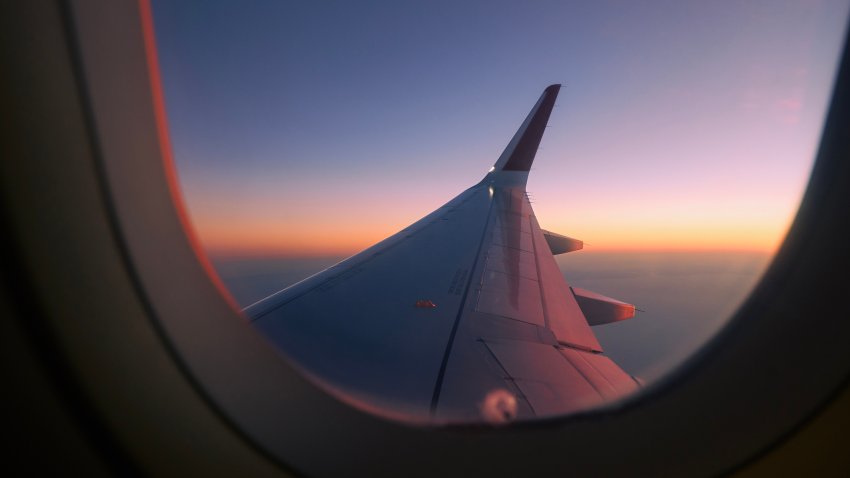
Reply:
x=519, y=155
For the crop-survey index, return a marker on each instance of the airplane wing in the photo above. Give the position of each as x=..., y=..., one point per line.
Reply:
x=463, y=316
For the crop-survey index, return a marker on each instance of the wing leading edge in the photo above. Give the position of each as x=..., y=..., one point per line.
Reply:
x=461, y=317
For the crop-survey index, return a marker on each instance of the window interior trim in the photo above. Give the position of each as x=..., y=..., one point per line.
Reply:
x=181, y=352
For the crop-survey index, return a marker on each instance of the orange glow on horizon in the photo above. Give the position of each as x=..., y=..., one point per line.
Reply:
x=344, y=217
x=223, y=239
x=294, y=241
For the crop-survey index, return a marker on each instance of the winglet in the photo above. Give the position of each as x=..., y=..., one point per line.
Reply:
x=520, y=152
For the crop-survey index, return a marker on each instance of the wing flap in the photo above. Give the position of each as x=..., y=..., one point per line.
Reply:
x=606, y=377
x=549, y=381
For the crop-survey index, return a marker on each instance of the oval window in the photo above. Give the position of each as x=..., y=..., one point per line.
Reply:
x=407, y=208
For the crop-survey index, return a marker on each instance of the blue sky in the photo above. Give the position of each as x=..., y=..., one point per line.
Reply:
x=322, y=127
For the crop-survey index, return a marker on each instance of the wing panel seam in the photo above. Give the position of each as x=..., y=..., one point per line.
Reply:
x=435, y=398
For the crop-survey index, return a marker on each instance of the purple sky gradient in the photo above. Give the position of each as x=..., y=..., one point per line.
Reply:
x=309, y=128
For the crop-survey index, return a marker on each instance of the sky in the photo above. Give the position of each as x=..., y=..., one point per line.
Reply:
x=305, y=129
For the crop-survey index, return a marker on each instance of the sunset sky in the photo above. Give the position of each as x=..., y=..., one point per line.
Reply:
x=319, y=128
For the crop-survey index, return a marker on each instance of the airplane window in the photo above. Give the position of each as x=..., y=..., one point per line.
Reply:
x=458, y=238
